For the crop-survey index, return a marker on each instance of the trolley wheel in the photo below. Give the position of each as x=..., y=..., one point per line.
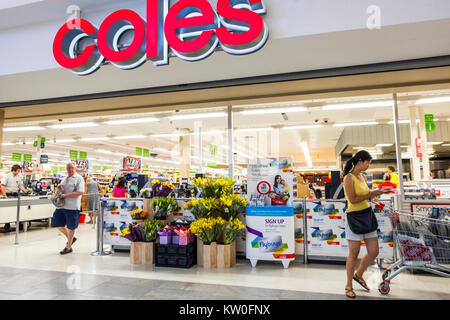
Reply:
x=385, y=274
x=384, y=288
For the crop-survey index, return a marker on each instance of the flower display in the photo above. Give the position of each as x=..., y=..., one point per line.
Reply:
x=232, y=206
x=208, y=229
x=146, y=193
x=134, y=233
x=149, y=230
x=161, y=189
x=138, y=214
x=233, y=230
x=162, y=207
x=214, y=188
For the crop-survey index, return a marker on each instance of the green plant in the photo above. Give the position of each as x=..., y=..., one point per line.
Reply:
x=149, y=230
x=233, y=230
x=164, y=206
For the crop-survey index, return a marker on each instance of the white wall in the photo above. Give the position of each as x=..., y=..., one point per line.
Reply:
x=304, y=35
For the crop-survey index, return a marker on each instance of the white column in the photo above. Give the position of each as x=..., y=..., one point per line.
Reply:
x=230, y=143
x=423, y=135
x=185, y=156
x=397, y=148
x=415, y=161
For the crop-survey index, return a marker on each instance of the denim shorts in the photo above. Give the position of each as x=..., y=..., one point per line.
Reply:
x=63, y=217
x=350, y=235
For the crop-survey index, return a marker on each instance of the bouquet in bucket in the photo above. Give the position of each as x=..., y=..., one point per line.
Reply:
x=146, y=193
x=214, y=188
x=208, y=229
x=161, y=189
x=162, y=207
x=233, y=230
x=145, y=232
x=138, y=214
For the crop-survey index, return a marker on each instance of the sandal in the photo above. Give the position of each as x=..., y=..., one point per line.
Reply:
x=361, y=282
x=350, y=293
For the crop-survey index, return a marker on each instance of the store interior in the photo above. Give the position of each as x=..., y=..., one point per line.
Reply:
x=319, y=134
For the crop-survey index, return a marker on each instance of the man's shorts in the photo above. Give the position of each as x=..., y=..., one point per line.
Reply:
x=63, y=217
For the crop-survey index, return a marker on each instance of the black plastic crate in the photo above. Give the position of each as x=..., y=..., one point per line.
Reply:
x=172, y=248
x=173, y=255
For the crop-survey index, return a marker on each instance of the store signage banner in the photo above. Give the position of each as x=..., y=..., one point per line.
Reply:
x=131, y=163
x=146, y=153
x=43, y=159
x=192, y=29
x=16, y=156
x=42, y=142
x=270, y=233
x=429, y=122
x=83, y=155
x=73, y=154
x=117, y=219
x=272, y=178
x=81, y=165
x=27, y=157
x=138, y=152
x=30, y=166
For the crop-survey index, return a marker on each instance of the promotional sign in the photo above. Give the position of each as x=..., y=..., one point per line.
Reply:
x=16, y=156
x=81, y=165
x=299, y=232
x=131, y=163
x=146, y=153
x=117, y=218
x=270, y=234
x=43, y=159
x=138, y=151
x=30, y=166
x=271, y=178
x=42, y=142
x=326, y=230
x=429, y=122
x=83, y=155
x=28, y=157
x=73, y=154
x=191, y=28
x=419, y=147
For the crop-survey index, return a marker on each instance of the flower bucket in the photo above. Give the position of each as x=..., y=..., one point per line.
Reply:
x=223, y=255
x=210, y=255
x=142, y=253
x=199, y=252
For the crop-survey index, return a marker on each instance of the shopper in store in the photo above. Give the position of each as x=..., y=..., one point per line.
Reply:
x=358, y=197
x=93, y=195
x=66, y=218
x=10, y=186
x=119, y=191
x=392, y=174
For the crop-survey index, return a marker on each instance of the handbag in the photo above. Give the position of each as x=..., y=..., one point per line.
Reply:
x=55, y=198
x=363, y=221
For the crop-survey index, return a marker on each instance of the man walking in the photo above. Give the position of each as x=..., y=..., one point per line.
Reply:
x=69, y=214
x=10, y=185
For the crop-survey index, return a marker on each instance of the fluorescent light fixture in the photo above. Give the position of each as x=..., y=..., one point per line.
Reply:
x=73, y=125
x=199, y=116
x=254, y=129
x=212, y=132
x=12, y=129
x=8, y=144
x=53, y=154
x=304, y=146
x=433, y=100
x=400, y=122
x=129, y=137
x=359, y=105
x=129, y=121
x=446, y=145
x=273, y=111
x=95, y=139
x=63, y=141
x=163, y=135
x=384, y=145
x=313, y=126
x=434, y=143
x=354, y=124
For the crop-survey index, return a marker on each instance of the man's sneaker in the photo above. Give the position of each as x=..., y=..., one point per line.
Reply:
x=66, y=251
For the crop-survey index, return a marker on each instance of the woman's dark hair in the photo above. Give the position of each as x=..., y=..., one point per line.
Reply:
x=275, y=184
x=15, y=167
x=121, y=183
x=391, y=168
x=359, y=156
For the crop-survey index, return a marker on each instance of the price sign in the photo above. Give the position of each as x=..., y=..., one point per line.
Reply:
x=81, y=165
x=131, y=163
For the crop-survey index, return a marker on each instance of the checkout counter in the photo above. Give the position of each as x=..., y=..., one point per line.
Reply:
x=32, y=208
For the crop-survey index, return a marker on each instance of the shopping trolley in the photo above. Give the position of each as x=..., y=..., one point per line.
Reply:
x=423, y=241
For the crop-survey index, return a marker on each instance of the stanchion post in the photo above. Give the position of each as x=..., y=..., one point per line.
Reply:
x=100, y=225
x=305, y=233
x=17, y=219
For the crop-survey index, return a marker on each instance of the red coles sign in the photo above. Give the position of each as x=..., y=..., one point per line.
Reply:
x=191, y=28
x=419, y=152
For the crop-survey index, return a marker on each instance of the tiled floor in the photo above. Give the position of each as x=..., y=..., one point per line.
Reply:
x=35, y=270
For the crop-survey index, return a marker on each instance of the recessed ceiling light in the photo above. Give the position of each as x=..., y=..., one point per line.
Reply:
x=129, y=121
x=274, y=111
x=359, y=105
x=12, y=129
x=199, y=116
x=433, y=100
x=354, y=124
x=73, y=125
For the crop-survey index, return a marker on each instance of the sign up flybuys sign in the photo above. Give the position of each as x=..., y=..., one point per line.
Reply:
x=191, y=28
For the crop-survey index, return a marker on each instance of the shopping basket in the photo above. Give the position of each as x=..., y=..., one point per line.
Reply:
x=423, y=242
